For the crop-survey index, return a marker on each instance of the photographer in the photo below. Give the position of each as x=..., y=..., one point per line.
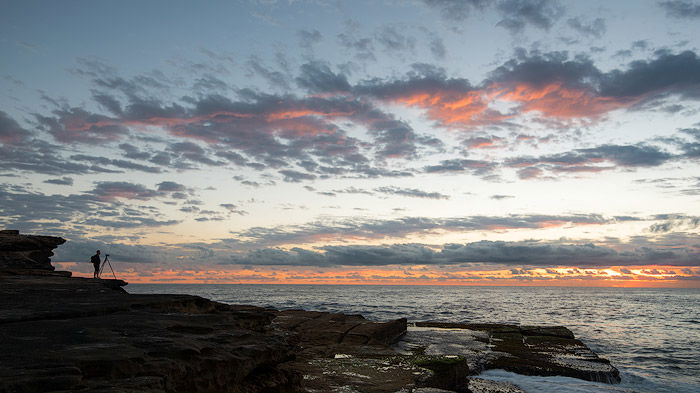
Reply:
x=95, y=259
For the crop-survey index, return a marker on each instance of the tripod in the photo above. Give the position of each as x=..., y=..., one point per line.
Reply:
x=106, y=262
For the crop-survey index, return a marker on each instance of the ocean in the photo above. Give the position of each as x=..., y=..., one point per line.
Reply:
x=651, y=335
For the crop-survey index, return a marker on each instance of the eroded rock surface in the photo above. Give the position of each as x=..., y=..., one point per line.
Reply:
x=26, y=252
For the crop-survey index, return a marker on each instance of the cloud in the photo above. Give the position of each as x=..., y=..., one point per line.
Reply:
x=276, y=79
x=595, y=159
x=11, y=133
x=42, y=157
x=317, y=77
x=411, y=192
x=57, y=214
x=77, y=125
x=296, y=176
x=231, y=208
x=681, y=9
x=517, y=14
x=527, y=253
x=392, y=40
x=122, y=164
x=477, y=167
x=64, y=181
x=594, y=28
x=314, y=136
x=373, y=229
x=309, y=38
x=674, y=222
x=110, y=190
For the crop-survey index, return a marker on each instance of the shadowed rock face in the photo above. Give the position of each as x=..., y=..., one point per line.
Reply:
x=22, y=252
x=62, y=334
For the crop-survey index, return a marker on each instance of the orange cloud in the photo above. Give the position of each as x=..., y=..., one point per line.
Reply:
x=635, y=276
x=557, y=101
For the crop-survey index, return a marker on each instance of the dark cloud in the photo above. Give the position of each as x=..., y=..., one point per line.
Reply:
x=410, y=192
x=11, y=133
x=528, y=253
x=353, y=190
x=681, y=9
x=122, y=164
x=476, y=167
x=170, y=186
x=317, y=77
x=64, y=181
x=296, y=176
x=110, y=190
x=667, y=73
x=596, y=159
x=499, y=197
x=133, y=152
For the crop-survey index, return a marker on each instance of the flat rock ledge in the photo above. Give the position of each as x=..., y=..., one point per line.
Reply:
x=27, y=254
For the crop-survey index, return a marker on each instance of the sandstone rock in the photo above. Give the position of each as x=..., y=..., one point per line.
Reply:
x=23, y=252
x=73, y=334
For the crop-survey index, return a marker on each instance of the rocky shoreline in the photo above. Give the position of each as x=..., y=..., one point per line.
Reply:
x=65, y=334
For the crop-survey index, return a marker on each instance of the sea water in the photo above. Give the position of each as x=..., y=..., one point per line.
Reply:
x=651, y=335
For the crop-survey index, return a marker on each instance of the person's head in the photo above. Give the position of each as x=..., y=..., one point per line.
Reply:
x=97, y=252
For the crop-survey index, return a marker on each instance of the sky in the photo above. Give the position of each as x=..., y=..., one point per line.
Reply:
x=441, y=142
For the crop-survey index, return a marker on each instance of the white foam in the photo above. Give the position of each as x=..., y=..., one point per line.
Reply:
x=532, y=384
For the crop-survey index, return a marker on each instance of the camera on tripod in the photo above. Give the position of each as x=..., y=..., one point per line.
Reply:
x=108, y=263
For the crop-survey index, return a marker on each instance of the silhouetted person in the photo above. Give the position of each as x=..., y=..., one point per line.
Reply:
x=95, y=259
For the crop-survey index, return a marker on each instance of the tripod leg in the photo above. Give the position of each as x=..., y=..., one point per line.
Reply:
x=101, y=269
x=110, y=268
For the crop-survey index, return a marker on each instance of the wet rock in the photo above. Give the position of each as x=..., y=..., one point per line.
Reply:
x=448, y=372
x=527, y=350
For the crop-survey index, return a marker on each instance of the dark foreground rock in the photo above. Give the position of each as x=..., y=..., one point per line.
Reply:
x=72, y=334
x=63, y=334
x=19, y=253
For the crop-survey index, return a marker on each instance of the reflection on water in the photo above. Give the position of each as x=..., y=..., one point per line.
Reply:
x=651, y=335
